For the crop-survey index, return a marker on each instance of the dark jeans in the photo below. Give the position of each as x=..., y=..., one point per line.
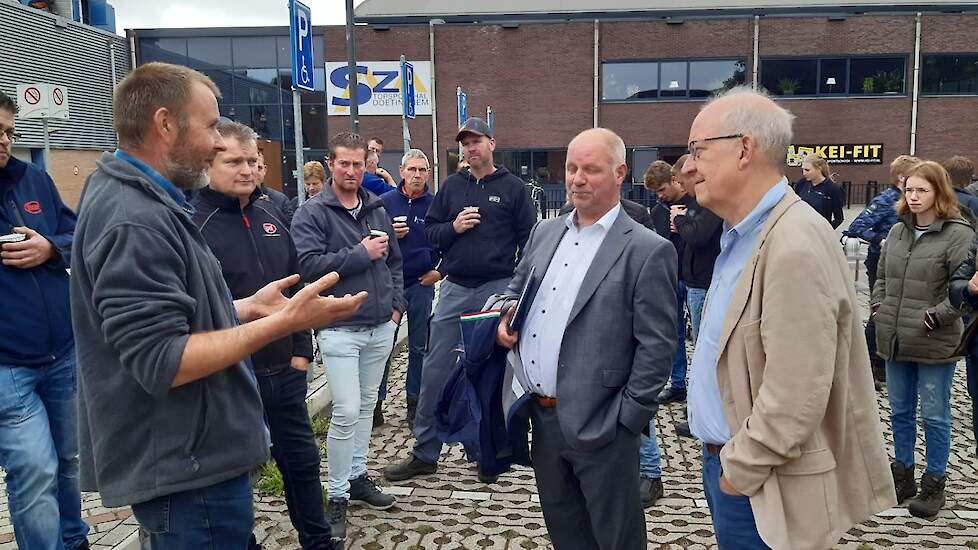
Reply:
x=218, y=517
x=872, y=263
x=733, y=517
x=973, y=391
x=419, y=299
x=678, y=378
x=296, y=454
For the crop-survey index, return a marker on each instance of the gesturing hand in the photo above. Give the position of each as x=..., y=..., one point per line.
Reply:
x=307, y=309
x=268, y=300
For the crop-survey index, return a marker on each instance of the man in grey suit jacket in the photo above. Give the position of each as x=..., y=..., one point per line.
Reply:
x=595, y=350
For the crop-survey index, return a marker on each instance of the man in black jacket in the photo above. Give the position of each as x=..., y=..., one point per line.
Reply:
x=254, y=246
x=478, y=221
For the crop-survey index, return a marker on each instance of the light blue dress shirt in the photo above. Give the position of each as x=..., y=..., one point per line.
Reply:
x=707, y=421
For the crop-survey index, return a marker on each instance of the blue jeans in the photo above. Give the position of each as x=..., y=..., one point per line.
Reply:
x=354, y=358
x=973, y=391
x=649, y=457
x=733, y=517
x=443, y=348
x=905, y=380
x=678, y=378
x=218, y=517
x=695, y=298
x=283, y=396
x=418, y=300
x=39, y=451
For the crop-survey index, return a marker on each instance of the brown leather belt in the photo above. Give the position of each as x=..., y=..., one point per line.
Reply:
x=713, y=450
x=544, y=401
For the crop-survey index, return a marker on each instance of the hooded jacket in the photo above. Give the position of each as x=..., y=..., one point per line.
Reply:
x=489, y=250
x=35, y=301
x=914, y=274
x=255, y=248
x=143, y=280
x=419, y=256
x=327, y=238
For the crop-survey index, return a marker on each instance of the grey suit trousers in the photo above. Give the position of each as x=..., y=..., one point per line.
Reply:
x=590, y=499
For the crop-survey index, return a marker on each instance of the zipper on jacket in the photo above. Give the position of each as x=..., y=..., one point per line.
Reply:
x=254, y=244
x=20, y=219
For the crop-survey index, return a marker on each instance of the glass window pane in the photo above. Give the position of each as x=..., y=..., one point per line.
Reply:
x=950, y=74
x=833, y=76
x=167, y=50
x=284, y=51
x=672, y=79
x=254, y=51
x=267, y=121
x=313, y=126
x=621, y=81
x=238, y=113
x=223, y=80
x=787, y=77
x=707, y=78
x=256, y=86
x=877, y=75
x=209, y=52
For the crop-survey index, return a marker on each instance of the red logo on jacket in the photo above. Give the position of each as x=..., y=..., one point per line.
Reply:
x=32, y=207
x=270, y=228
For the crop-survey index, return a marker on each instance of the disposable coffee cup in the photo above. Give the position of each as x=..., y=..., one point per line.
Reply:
x=471, y=209
x=375, y=233
x=400, y=219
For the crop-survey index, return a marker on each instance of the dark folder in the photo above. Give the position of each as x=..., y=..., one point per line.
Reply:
x=527, y=293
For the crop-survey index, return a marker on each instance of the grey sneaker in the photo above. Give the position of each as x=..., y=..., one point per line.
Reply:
x=364, y=491
x=336, y=517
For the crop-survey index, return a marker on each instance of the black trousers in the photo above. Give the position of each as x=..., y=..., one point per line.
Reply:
x=590, y=499
x=296, y=454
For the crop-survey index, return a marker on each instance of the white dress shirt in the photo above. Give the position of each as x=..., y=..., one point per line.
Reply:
x=543, y=330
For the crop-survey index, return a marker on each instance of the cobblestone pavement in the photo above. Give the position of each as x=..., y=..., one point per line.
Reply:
x=453, y=510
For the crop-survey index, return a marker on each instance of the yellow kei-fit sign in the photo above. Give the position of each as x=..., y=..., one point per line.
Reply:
x=848, y=153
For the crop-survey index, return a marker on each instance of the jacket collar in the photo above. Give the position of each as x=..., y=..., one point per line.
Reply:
x=400, y=191
x=935, y=227
x=329, y=196
x=13, y=172
x=127, y=174
x=225, y=202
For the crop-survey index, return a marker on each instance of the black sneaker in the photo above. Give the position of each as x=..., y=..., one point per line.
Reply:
x=903, y=481
x=412, y=409
x=487, y=479
x=336, y=517
x=378, y=415
x=682, y=430
x=364, y=491
x=650, y=488
x=672, y=395
x=408, y=468
x=931, y=498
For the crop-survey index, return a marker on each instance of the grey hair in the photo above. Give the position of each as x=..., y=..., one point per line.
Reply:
x=758, y=116
x=414, y=154
x=235, y=130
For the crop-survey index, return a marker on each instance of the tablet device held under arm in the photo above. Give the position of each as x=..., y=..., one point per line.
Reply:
x=522, y=308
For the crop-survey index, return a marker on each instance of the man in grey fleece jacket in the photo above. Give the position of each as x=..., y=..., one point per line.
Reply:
x=169, y=412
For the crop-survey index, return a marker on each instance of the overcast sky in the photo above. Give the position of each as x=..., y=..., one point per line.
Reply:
x=156, y=14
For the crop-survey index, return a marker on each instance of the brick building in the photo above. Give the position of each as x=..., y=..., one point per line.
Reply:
x=868, y=80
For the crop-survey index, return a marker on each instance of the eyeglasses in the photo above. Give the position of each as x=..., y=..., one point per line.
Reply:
x=694, y=151
x=916, y=191
x=11, y=134
x=418, y=169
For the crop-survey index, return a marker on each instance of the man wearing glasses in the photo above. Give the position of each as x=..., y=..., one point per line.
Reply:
x=780, y=392
x=38, y=444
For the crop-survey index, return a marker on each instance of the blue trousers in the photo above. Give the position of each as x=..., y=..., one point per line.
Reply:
x=218, y=517
x=419, y=299
x=39, y=452
x=906, y=381
x=733, y=517
x=677, y=379
x=649, y=456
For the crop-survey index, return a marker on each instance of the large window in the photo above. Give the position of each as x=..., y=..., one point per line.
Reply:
x=951, y=74
x=669, y=80
x=834, y=76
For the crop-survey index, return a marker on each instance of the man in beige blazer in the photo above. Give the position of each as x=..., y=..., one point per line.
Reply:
x=780, y=392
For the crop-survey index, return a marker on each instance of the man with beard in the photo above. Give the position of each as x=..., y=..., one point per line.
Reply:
x=169, y=410
x=478, y=221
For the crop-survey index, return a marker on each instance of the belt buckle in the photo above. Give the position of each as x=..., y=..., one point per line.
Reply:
x=545, y=402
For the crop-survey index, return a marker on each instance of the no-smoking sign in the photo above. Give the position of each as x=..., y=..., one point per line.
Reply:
x=42, y=101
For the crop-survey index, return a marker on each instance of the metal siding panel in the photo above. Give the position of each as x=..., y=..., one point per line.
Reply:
x=73, y=56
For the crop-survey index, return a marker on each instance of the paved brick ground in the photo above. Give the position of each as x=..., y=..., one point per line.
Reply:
x=453, y=510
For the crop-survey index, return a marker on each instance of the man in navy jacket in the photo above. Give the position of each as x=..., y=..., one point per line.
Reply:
x=479, y=220
x=250, y=238
x=38, y=420
x=420, y=259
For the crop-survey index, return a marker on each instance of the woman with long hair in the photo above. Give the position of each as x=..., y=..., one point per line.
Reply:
x=817, y=189
x=918, y=329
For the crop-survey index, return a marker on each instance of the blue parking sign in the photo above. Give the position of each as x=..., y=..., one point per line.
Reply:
x=407, y=89
x=300, y=38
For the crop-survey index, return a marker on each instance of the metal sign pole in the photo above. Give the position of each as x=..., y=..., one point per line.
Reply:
x=47, y=145
x=351, y=62
x=300, y=177
x=405, y=98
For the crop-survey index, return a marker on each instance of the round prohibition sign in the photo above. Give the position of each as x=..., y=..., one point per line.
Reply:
x=32, y=96
x=59, y=96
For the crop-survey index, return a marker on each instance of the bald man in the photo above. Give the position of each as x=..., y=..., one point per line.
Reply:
x=780, y=391
x=594, y=352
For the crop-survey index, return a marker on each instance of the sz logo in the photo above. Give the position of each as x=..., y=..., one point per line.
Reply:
x=378, y=88
x=380, y=82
